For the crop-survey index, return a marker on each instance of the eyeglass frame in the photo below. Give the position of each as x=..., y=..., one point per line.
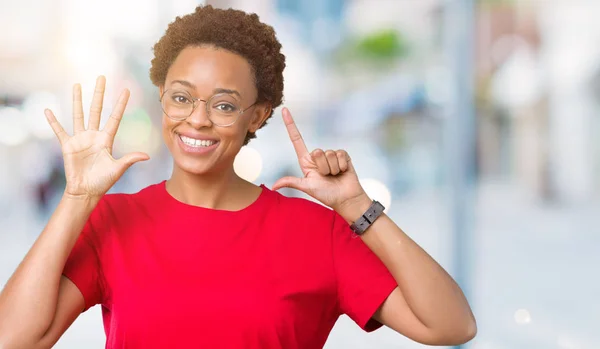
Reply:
x=194, y=106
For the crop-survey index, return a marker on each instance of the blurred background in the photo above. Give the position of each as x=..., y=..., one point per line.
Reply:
x=472, y=121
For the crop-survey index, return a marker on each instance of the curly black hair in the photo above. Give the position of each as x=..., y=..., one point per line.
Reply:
x=232, y=30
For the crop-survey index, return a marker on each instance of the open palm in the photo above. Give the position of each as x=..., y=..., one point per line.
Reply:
x=90, y=168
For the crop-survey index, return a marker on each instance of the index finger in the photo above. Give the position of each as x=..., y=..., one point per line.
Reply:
x=294, y=133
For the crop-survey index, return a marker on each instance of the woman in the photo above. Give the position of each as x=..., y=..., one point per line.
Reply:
x=206, y=259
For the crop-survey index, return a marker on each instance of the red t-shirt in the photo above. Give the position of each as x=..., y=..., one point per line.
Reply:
x=276, y=274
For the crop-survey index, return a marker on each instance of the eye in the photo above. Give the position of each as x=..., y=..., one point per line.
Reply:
x=226, y=108
x=180, y=99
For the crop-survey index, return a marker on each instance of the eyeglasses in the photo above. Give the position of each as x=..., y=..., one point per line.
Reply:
x=222, y=109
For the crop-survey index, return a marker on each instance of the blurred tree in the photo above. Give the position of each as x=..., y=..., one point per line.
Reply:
x=377, y=48
x=386, y=44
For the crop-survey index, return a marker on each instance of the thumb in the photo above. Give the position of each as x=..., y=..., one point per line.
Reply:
x=129, y=159
x=291, y=182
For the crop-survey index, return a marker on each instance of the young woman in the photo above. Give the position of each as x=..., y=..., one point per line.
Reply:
x=206, y=259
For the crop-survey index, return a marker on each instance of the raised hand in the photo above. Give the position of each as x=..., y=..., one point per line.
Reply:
x=328, y=175
x=90, y=169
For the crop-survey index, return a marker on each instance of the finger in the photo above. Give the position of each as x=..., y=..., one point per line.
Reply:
x=350, y=165
x=127, y=160
x=97, y=101
x=78, y=125
x=342, y=157
x=322, y=167
x=59, y=131
x=332, y=161
x=112, y=125
x=294, y=133
x=291, y=182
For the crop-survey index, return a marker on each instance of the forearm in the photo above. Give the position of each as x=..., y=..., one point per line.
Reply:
x=432, y=295
x=28, y=301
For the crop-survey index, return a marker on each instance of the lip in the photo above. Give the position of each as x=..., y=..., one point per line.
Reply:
x=196, y=150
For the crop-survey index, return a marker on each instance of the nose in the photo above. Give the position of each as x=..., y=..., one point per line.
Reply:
x=199, y=117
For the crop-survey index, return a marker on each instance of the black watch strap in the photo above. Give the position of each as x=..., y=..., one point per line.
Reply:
x=366, y=220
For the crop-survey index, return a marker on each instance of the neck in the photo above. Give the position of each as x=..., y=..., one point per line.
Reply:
x=224, y=190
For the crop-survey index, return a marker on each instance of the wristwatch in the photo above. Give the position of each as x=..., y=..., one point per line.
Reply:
x=366, y=220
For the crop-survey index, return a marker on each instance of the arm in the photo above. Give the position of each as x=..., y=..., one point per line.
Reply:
x=29, y=303
x=427, y=306
x=38, y=304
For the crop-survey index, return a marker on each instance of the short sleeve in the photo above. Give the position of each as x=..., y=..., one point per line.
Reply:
x=83, y=265
x=363, y=282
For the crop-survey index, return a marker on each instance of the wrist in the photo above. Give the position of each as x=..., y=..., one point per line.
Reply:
x=83, y=201
x=354, y=208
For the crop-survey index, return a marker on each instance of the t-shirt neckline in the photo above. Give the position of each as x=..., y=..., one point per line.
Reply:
x=253, y=206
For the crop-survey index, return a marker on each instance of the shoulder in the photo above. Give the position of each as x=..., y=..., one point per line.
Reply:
x=116, y=205
x=302, y=209
x=119, y=212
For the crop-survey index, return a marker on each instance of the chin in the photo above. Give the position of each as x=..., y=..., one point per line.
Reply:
x=195, y=166
x=214, y=164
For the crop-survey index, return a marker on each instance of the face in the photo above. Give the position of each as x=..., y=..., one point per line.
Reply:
x=197, y=145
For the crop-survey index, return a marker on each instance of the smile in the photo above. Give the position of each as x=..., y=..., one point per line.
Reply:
x=196, y=143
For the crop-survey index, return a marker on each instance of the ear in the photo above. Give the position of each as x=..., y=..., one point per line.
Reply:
x=261, y=114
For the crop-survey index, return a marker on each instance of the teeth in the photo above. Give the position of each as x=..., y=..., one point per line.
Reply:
x=196, y=142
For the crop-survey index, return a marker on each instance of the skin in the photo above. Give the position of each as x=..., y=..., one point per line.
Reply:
x=427, y=306
x=209, y=180
x=38, y=304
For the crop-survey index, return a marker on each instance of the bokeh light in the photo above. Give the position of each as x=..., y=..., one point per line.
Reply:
x=377, y=191
x=33, y=111
x=137, y=133
x=13, y=131
x=522, y=317
x=248, y=164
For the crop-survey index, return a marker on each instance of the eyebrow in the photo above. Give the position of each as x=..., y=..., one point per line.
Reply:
x=228, y=91
x=215, y=91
